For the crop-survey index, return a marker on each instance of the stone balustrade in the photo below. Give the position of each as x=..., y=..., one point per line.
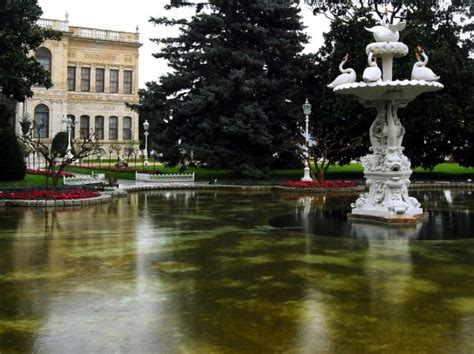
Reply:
x=165, y=178
x=81, y=180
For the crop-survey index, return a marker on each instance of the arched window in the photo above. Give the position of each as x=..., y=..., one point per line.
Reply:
x=99, y=127
x=113, y=128
x=73, y=125
x=43, y=56
x=85, y=127
x=127, y=128
x=41, y=128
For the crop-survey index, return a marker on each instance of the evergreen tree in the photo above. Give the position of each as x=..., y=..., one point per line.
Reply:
x=234, y=90
x=439, y=124
x=19, y=37
x=59, y=144
x=12, y=163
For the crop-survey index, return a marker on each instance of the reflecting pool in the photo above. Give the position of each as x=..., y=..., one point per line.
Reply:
x=211, y=272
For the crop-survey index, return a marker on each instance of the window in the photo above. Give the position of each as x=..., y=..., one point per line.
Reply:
x=43, y=56
x=73, y=126
x=99, y=80
x=99, y=127
x=114, y=81
x=113, y=128
x=127, y=81
x=85, y=79
x=127, y=128
x=41, y=128
x=71, y=78
x=85, y=127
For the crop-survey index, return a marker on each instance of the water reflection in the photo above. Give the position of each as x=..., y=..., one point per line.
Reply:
x=456, y=222
x=203, y=272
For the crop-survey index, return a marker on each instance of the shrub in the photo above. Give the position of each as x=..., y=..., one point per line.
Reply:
x=12, y=163
x=59, y=144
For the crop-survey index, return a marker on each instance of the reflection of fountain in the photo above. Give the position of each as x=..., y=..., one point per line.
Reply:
x=371, y=232
x=387, y=169
x=388, y=265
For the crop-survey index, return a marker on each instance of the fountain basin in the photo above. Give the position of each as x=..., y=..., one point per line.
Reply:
x=400, y=90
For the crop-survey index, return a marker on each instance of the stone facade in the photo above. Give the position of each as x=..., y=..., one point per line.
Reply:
x=94, y=72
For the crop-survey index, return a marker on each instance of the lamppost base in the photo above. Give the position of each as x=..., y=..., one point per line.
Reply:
x=306, y=177
x=69, y=155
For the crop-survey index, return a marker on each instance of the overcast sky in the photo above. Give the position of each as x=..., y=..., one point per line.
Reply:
x=125, y=15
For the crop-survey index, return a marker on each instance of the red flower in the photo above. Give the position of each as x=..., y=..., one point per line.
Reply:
x=35, y=195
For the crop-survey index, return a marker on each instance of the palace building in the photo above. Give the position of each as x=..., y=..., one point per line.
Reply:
x=94, y=73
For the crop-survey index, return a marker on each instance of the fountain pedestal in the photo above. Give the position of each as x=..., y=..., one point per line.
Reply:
x=387, y=169
x=387, y=199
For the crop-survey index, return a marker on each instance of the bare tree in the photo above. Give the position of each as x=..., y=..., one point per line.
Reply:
x=56, y=159
x=328, y=147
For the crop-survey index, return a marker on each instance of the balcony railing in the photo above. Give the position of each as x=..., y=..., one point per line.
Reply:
x=54, y=24
x=89, y=32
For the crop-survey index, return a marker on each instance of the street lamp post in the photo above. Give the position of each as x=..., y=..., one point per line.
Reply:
x=68, y=122
x=307, y=111
x=146, y=126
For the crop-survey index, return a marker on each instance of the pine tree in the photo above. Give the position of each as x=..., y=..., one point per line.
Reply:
x=234, y=90
x=19, y=36
x=12, y=161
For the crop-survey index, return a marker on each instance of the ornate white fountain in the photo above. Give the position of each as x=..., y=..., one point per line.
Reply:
x=387, y=170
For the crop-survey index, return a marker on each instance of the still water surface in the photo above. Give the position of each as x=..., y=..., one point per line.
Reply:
x=206, y=272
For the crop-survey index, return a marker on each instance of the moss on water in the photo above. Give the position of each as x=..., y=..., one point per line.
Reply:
x=463, y=305
x=259, y=259
x=320, y=259
x=204, y=272
x=382, y=265
x=174, y=267
x=31, y=276
x=28, y=327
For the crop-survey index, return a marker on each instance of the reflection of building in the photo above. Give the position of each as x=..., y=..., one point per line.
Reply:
x=94, y=72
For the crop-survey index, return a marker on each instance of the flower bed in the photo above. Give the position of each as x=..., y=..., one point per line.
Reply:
x=316, y=184
x=46, y=194
x=47, y=173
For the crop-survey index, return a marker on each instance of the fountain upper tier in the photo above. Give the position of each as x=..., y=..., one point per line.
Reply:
x=393, y=49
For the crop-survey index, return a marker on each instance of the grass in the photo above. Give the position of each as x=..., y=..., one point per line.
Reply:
x=448, y=168
x=202, y=174
x=450, y=171
x=352, y=171
x=29, y=181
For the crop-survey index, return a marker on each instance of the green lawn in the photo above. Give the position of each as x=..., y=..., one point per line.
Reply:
x=29, y=181
x=352, y=171
x=448, y=168
x=202, y=174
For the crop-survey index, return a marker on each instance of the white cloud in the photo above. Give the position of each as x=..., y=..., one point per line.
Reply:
x=125, y=15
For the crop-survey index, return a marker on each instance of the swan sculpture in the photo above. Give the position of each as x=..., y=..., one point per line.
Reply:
x=420, y=71
x=348, y=75
x=373, y=72
x=387, y=32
